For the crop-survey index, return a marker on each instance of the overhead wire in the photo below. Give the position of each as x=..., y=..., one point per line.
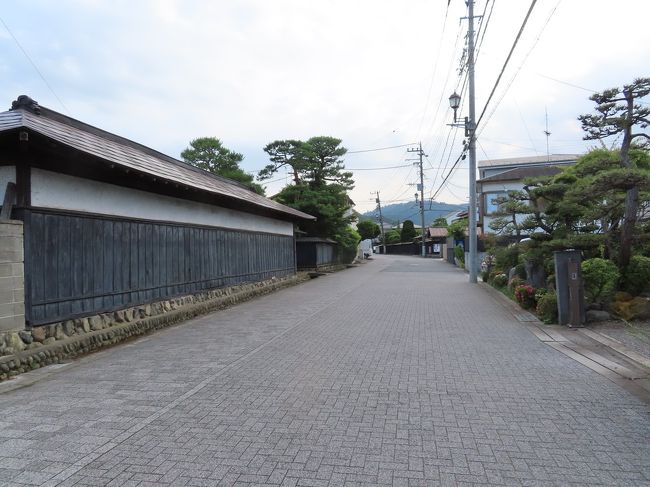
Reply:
x=24, y=51
x=435, y=70
x=505, y=64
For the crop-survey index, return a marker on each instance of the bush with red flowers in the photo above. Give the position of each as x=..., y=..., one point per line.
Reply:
x=525, y=296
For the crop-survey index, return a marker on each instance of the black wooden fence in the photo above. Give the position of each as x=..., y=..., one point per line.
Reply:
x=81, y=265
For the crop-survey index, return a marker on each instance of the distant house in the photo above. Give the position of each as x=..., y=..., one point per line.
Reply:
x=498, y=176
x=109, y=223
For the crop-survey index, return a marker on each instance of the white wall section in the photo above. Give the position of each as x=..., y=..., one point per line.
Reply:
x=54, y=190
x=7, y=175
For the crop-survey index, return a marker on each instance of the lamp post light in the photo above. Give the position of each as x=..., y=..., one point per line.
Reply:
x=470, y=132
x=454, y=103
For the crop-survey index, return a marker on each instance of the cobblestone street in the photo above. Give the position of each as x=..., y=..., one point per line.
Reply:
x=397, y=372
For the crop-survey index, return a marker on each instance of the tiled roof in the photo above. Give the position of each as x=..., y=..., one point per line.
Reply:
x=437, y=232
x=126, y=153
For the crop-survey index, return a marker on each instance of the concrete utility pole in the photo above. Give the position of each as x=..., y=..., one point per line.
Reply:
x=471, y=129
x=421, y=190
x=381, y=221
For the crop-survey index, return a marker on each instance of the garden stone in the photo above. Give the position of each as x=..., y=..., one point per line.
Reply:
x=49, y=341
x=39, y=333
x=95, y=323
x=594, y=306
x=58, y=332
x=85, y=324
x=14, y=341
x=594, y=315
x=26, y=337
x=68, y=327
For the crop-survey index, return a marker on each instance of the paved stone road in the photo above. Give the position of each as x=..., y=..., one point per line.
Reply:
x=395, y=373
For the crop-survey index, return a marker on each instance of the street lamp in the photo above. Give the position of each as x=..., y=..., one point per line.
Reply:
x=470, y=132
x=454, y=103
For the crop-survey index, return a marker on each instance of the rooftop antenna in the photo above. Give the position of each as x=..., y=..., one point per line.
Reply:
x=548, y=134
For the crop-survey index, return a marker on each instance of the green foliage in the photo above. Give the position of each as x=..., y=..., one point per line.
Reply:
x=457, y=229
x=209, y=154
x=600, y=278
x=500, y=280
x=485, y=276
x=459, y=253
x=525, y=296
x=348, y=240
x=328, y=203
x=368, y=229
x=637, y=275
x=520, y=271
x=547, y=307
x=408, y=231
x=321, y=187
x=506, y=257
x=316, y=162
x=440, y=222
x=392, y=237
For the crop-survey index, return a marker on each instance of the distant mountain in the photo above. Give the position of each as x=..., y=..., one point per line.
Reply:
x=399, y=212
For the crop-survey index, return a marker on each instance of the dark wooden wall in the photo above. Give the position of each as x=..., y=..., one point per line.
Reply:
x=81, y=265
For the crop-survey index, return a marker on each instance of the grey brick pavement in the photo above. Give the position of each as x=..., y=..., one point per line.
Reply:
x=395, y=373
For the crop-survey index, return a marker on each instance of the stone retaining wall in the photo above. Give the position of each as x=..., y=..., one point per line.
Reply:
x=21, y=351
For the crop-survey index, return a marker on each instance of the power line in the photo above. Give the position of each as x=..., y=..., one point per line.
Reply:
x=379, y=148
x=375, y=168
x=503, y=68
x=522, y=64
x=435, y=69
x=34, y=65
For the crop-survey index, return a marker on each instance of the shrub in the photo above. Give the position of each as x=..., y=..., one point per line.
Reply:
x=506, y=257
x=500, y=280
x=459, y=253
x=600, y=277
x=637, y=275
x=514, y=282
x=539, y=293
x=520, y=270
x=485, y=275
x=525, y=296
x=547, y=307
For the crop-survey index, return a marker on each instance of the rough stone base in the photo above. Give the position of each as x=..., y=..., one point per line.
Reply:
x=31, y=349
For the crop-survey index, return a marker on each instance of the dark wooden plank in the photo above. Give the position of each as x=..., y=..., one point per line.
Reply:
x=155, y=259
x=148, y=294
x=118, y=263
x=51, y=266
x=87, y=279
x=133, y=262
x=35, y=265
x=142, y=262
x=76, y=261
x=108, y=255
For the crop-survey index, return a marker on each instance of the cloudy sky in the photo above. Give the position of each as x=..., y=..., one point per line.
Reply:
x=374, y=73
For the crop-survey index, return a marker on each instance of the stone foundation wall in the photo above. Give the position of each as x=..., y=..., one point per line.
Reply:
x=25, y=350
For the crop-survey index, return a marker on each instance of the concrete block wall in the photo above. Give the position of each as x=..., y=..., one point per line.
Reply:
x=12, y=277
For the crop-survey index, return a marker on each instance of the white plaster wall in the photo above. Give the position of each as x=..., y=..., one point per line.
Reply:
x=7, y=175
x=53, y=190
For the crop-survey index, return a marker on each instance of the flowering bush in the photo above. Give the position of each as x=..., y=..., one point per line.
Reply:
x=525, y=296
x=500, y=280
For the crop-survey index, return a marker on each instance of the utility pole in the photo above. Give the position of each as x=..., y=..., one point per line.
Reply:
x=470, y=133
x=381, y=221
x=471, y=122
x=421, y=189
